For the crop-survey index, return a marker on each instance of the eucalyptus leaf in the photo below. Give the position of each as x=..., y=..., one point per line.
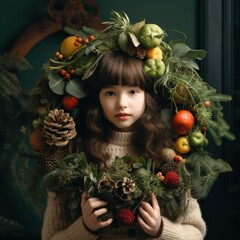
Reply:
x=56, y=83
x=197, y=54
x=181, y=50
x=76, y=88
x=123, y=41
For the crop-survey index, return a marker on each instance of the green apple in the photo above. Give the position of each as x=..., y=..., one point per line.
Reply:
x=196, y=139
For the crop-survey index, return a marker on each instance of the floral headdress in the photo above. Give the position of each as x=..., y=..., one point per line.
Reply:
x=196, y=108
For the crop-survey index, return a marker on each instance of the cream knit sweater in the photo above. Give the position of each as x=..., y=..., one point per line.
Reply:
x=56, y=226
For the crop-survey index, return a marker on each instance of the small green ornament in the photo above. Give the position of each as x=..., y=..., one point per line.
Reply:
x=154, y=68
x=151, y=35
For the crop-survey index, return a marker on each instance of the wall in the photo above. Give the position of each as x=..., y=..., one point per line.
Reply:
x=17, y=15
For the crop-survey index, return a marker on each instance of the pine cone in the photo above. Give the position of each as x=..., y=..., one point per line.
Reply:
x=106, y=184
x=169, y=167
x=58, y=128
x=50, y=160
x=125, y=188
x=138, y=52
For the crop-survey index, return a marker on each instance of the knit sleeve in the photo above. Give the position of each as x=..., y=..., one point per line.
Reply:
x=55, y=223
x=189, y=227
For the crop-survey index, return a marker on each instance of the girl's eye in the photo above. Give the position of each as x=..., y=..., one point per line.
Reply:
x=134, y=91
x=110, y=93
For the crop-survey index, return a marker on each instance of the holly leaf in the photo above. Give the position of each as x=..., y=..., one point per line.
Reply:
x=76, y=88
x=56, y=83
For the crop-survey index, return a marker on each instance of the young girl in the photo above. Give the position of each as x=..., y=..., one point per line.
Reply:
x=121, y=117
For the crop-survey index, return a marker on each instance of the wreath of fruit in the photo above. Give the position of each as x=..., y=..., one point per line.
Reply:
x=173, y=68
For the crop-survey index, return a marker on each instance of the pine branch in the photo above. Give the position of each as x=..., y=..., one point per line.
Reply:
x=204, y=171
x=13, y=63
x=7, y=225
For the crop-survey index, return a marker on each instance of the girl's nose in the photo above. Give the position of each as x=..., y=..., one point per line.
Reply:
x=122, y=101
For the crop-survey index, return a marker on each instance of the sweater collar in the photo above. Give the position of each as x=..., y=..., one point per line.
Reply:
x=121, y=138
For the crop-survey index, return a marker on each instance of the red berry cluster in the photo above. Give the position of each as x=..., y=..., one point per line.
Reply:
x=83, y=41
x=125, y=216
x=66, y=73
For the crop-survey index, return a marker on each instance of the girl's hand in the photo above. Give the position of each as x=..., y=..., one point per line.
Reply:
x=92, y=208
x=149, y=217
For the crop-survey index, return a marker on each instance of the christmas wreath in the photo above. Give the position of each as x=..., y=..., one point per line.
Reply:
x=173, y=68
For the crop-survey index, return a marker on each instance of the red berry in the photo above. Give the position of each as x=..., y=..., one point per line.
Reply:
x=63, y=72
x=70, y=102
x=91, y=37
x=125, y=216
x=67, y=75
x=72, y=71
x=85, y=40
x=76, y=44
x=171, y=180
x=79, y=40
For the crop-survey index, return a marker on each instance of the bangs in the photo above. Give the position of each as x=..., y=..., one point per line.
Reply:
x=118, y=68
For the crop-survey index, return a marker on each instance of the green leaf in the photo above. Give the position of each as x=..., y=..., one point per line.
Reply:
x=181, y=50
x=134, y=39
x=142, y=162
x=196, y=54
x=123, y=41
x=92, y=177
x=56, y=83
x=149, y=164
x=137, y=26
x=86, y=182
x=82, y=160
x=77, y=88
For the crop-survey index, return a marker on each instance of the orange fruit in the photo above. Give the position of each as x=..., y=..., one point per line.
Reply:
x=68, y=46
x=155, y=53
x=36, y=140
x=182, y=122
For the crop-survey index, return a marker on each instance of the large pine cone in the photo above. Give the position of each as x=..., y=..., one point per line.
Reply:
x=58, y=128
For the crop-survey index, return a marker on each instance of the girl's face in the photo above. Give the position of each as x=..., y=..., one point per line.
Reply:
x=122, y=105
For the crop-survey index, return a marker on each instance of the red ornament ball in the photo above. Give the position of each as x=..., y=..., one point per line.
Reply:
x=70, y=102
x=125, y=216
x=171, y=179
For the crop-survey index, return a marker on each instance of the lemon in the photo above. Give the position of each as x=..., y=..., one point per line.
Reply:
x=68, y=47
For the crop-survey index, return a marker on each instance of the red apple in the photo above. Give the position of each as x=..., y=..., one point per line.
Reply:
x=70, y=102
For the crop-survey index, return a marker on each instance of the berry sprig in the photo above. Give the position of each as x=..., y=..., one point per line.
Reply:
x=67, y=73
x=83, y=41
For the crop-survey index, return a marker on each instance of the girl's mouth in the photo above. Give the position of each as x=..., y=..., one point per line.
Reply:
x=122, y=116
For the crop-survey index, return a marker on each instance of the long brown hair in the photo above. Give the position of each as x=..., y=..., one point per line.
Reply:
x=118, y=68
